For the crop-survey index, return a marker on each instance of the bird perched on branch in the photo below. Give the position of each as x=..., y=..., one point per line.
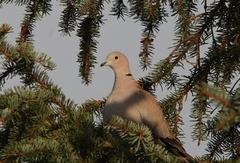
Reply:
x=129, y=101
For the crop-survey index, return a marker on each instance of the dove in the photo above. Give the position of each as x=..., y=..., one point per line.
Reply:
x=129, y=101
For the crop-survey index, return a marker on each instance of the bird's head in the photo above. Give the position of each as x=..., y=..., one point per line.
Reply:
x=118, y=62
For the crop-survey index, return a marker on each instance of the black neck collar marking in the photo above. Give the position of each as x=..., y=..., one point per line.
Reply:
x=128, y=74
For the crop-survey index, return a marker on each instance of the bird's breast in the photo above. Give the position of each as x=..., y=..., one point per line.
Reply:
x=122, y=105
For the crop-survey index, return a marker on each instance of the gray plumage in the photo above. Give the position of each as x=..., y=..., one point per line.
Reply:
x=129, y=101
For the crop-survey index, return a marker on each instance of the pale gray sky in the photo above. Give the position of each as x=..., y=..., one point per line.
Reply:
x=117, y=35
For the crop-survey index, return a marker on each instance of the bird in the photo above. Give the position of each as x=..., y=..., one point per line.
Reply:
x=129, y=101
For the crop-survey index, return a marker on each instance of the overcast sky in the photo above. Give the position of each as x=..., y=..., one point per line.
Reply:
x=117, y=35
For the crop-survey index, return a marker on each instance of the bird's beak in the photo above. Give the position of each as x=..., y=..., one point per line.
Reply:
x=103, y=64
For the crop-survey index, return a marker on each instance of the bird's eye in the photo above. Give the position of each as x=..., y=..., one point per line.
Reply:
x=116, y=57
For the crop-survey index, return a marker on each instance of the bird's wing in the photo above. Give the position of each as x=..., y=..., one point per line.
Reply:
x=153, y=117
x=173, y=146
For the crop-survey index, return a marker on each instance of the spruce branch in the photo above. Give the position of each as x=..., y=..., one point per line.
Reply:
x=24, y=61
x=4, y=30
x=4, y=52
x=119, y=9
x=151, y=14
x=210, y=95
x=223, y=142
x=68, y=18
x=199, y=116
x=223, y=127
x=228, y=120
x=88, y=31
x=35, y=9
x=34, y=149
x=93, y=106
x=39, y=112
x=140, y=139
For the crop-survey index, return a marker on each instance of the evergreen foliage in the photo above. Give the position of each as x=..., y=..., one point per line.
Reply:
x=39, y=124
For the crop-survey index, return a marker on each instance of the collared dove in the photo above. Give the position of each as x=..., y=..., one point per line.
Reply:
x=129, y=101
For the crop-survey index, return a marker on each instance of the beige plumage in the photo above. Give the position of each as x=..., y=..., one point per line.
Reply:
x=129, y=101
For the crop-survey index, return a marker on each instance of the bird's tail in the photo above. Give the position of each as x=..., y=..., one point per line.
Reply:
x=173, y=146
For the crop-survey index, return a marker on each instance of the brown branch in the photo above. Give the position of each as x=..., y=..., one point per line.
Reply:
x=196, y=16
x=41, y=63
x=211, y=16
x=179, y=44
x=87, y=7
x=125, y=128
x=223, y=101
x=39, y=81
x=25, y=32
x=151, y=8
x=230, y=118
x=182, y=54
x=191, y=63
x=9, y=56
x=198, y=34
x=96, y=103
